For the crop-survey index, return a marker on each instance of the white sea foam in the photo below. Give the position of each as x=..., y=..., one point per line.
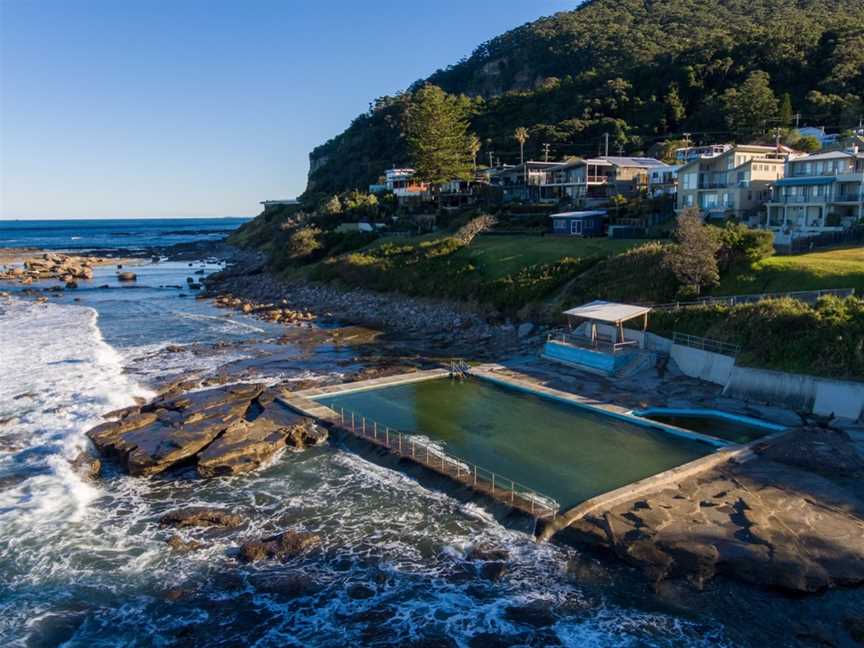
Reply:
x=57, y=376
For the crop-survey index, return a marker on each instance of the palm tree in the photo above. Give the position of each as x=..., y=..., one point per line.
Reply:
x=521, y=136
x=474, y=148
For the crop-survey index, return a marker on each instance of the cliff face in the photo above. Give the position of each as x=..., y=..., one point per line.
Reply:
x=640, y=70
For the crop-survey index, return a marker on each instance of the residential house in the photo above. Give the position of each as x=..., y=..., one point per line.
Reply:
x=273, y=205
x=689, y=153
x=579, y=223
x=401, y=182
x=820, y=193
x=594, y=181
x=819, y=133
x=663, y=180
x=734, y=183
x=521, y=182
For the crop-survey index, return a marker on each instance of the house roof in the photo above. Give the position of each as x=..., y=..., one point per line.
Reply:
x=635, y=161
x=830, y=155
x=603, y=311
x=579, y=214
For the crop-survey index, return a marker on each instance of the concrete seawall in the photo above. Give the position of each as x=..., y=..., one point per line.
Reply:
x=821, y=396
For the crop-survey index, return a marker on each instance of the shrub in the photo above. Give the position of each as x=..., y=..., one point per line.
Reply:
x=825, y=339
x=741, y=245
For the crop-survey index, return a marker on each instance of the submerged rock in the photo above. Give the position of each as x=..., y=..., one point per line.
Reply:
x=86, y=465
x=287, y=544
x=200, y=516
x=179, y=545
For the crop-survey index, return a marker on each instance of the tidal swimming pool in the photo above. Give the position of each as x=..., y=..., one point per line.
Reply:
x=723, y=425
x=560, y=450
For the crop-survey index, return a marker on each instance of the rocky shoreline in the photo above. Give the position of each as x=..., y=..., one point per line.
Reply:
x=49, y=265
x=222, y=431
x=789, y=518
x=428, y=325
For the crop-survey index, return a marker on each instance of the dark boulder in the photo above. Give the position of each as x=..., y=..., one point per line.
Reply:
x=287, y=544
x=200, y=516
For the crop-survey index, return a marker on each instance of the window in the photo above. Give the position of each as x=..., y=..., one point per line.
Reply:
x=690, y=180
x=575, y=226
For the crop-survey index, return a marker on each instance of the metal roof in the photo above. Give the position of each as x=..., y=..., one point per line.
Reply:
x=603, y=311
x=830, y=155
x=579, y=214
x=635, y=161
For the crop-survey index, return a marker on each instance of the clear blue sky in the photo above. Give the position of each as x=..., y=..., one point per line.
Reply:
x=191, y=108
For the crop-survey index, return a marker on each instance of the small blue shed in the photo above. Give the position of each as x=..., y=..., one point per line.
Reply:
x=579, y=223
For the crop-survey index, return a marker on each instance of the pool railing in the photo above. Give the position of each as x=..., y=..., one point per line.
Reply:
x=423, y=452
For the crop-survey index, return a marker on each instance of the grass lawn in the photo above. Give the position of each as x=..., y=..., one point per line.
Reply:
x=498, y=256
x=840, y=268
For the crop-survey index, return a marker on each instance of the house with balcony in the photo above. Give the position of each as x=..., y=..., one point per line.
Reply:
x=403, y=185
x=663, y=180
x=521, y=182
x=736, y=183
x=823, y=192
x=592, y=182
x=687, y=154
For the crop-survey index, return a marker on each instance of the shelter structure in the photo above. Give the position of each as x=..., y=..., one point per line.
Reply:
x=609, y=313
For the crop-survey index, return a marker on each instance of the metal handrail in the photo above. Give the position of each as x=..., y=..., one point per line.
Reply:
x=731, y=300
x=706, y=344
x=584, y=342
x=408, y=445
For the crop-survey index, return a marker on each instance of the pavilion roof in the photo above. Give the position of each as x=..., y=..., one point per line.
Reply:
x=604, y=311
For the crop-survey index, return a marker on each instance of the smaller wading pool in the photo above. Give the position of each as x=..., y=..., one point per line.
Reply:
x=563, y=451
x=716, y=423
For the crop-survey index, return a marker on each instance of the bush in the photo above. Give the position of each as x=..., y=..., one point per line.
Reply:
x=826, y=339
x=741, y=245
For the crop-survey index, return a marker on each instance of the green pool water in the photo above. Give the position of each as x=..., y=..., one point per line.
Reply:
x=560, y=450
x=734, y=431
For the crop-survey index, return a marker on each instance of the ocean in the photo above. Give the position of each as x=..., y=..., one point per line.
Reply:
x=87, y=564
x=130, y=233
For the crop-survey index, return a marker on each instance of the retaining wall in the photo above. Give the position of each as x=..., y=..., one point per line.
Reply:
x=711, y=367
x=821, y=396
x=804, y=393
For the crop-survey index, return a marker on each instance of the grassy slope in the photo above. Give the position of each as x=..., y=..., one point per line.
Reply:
x=841, y=268
x=499, y=256
x=504, y=272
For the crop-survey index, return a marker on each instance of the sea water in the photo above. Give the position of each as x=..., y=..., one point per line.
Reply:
x=86, y=563
x=129, y=233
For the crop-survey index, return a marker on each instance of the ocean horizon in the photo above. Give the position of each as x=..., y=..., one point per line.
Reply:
x=114, y=233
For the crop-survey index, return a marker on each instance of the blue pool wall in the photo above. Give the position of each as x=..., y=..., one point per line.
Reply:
x=606, y=363
x=710, y=413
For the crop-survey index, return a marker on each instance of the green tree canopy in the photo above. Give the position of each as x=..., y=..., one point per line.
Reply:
x=438, y=138
x=752, y=106
x=785, y=117
x=693, y=256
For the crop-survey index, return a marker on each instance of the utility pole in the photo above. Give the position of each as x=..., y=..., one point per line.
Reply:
x=620, y=150
x=797, y=117
x=606, y=148
x=490, y=159
x=545, y=152
x=777, y=138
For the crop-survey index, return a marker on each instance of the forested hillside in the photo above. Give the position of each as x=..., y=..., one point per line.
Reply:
x=641, y=70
